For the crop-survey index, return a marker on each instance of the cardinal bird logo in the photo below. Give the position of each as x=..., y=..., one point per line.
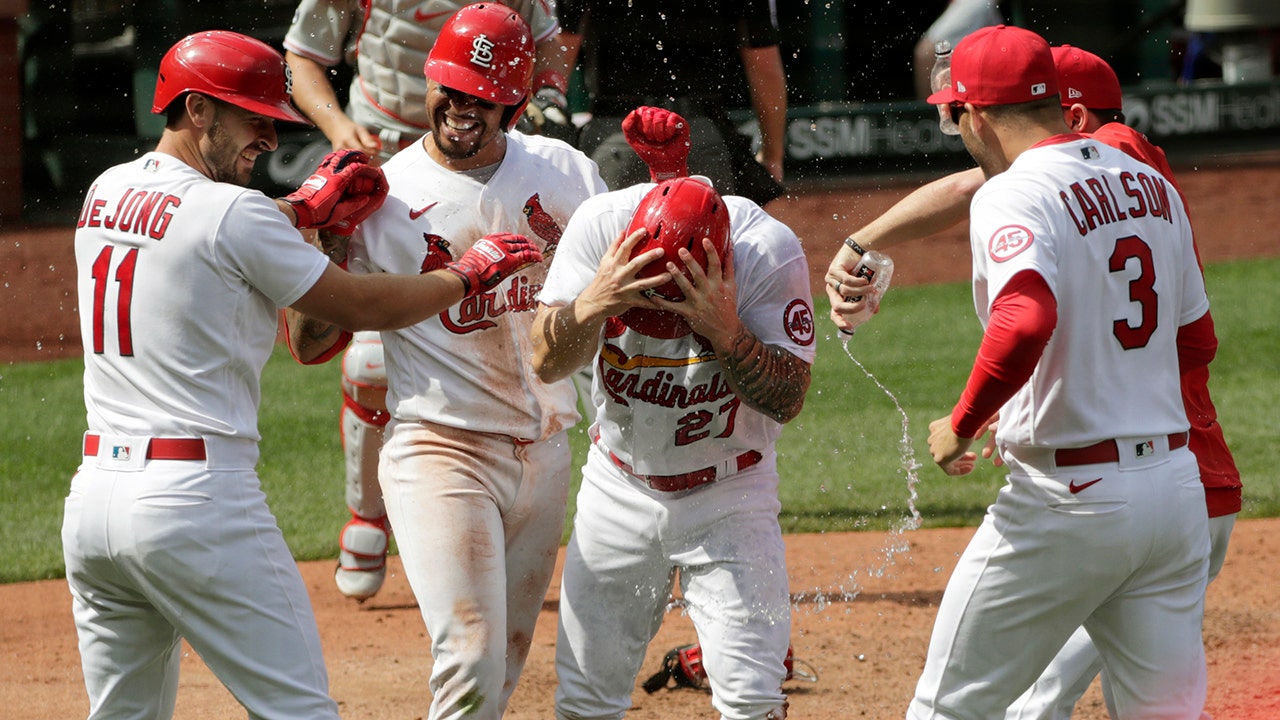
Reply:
x=543, y=225
x=437, y=252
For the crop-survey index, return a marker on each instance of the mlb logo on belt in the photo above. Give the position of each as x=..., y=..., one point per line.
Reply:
x=120, y=452
x=1145, y=448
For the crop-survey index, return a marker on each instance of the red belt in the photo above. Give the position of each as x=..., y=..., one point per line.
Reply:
x=159, y=448
x=683, y=481
x=1104, y=452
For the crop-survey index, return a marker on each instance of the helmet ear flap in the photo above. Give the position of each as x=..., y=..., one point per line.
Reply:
x=512, y=114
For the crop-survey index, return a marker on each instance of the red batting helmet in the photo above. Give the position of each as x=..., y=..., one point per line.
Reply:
x=678, y=214
x=485, y=50
x=229, y=66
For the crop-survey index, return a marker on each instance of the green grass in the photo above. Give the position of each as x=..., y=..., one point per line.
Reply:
x=843, y=461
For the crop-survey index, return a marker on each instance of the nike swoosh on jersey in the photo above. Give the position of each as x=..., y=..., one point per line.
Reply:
x=415, y=214
x=1077, y=487
x=427, y=17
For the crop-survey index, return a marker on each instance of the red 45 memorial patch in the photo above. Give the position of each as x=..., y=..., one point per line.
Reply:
x=799, y=322
x=1008, y=241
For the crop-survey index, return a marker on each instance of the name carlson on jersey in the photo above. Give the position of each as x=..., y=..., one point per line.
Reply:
x=140, y=212
x=1093, y=202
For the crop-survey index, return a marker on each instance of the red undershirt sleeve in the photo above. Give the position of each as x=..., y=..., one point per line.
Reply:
x=1197, y=343
x=1023, y=318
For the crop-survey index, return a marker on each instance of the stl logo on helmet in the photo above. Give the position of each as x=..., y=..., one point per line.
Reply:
x=288, y=81
x=482, y=52
x=1009, y=241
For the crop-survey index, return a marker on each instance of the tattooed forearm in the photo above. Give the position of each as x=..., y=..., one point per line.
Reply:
x=766, y=377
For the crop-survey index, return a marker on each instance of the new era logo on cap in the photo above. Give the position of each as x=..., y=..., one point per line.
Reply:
x=999, y=65
x=1086, y=79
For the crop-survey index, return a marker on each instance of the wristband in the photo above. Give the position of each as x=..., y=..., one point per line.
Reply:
x=854, y=246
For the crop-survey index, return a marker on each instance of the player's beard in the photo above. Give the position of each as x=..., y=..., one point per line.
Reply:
x=223, y=156
x=458, y=146
x=981, y=154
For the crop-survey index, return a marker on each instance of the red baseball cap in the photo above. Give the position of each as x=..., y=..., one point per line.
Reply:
x=1086, y=79
x=999, y=65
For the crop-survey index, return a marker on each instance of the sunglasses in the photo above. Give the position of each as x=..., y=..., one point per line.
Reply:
x=957, y=109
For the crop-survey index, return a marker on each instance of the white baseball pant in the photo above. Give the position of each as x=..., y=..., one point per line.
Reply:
x=627, y=544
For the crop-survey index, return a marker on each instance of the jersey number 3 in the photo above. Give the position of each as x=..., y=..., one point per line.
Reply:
x=1142, y=290
x=124, y=297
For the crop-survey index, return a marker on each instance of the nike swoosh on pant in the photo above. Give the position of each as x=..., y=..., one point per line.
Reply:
x=1077, y=487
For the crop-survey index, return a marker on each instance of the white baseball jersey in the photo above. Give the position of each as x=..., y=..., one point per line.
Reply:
x=664, y=406
x=388, y=46
x=1111, y=240
x=181, y=280
x=164, y=363
x=1090, y=209
x=468, y=367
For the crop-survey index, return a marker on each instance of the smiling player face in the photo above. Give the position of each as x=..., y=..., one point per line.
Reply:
x=235, y=139
x=466, y=131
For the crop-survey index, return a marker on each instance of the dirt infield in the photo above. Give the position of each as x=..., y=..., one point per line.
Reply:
x=865, y=606
x=865, y=602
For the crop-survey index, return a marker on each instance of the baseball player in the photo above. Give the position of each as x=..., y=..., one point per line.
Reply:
x=690, y=396
x=1086, y=282
x=181, y=275
x=475, y=468
x=1091, y=99
x=387, y=41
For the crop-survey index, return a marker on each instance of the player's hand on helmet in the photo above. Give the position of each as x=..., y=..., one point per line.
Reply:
x=343, y=191
x=493, y=259
x=615, y=288
x=949, y=450
x=661, y=139
x=710, y=304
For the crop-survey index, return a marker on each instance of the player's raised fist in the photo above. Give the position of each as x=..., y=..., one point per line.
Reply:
x=493, y=259
x=661, y=138
x=344, y=190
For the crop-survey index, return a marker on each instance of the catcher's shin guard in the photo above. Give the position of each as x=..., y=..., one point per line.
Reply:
x=362, y=560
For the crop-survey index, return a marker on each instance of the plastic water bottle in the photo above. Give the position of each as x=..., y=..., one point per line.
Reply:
x=939, y=78
x=877, y=268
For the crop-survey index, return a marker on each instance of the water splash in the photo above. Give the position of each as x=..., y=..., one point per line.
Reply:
x=895, y=543
x=907, y=453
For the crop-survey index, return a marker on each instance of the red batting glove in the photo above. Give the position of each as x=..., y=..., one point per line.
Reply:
x=344, y=175
x=661, y=138
x=493, y=259
x=366, y=192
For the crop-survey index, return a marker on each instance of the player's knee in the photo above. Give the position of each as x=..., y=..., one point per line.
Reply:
x=364, y=374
